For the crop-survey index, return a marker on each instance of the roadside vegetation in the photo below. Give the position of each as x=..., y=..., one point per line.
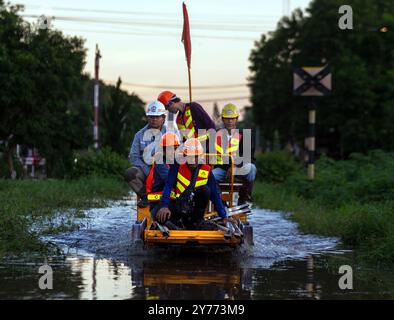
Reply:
x=351, y=199
x=32, y=208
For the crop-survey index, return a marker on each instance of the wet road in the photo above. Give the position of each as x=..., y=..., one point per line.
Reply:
x=100, y=263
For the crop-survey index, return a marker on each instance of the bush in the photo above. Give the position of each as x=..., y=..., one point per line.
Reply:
x=352, y=199
x=5, y=169
x=32, y=208
x=104, y=163
x=362, y=178
x=276, y=166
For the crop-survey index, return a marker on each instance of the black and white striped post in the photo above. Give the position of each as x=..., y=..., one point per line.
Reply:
x=312, y=82
x=311, y=139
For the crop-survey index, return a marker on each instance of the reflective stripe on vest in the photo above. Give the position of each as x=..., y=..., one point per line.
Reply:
x=232, y=147
x=184, y=177
x=156, y=196
x=186, y=126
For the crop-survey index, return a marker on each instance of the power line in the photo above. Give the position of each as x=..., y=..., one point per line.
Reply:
x=221, y=99
x=157, y=34
x=227, y=28
x=151, y=86
x=160, y=14
x=224, y=99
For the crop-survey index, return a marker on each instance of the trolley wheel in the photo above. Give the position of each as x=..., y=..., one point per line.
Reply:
x=137, y=232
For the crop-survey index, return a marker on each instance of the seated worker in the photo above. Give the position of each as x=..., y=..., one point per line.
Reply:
x=136, y=175
x=159, y=171
x=229, y=142
x=191, y=201
x=191, y=116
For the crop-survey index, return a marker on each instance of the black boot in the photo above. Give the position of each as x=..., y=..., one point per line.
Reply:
x=245, y=193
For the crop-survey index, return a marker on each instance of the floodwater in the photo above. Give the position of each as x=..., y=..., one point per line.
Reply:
x=100, y=262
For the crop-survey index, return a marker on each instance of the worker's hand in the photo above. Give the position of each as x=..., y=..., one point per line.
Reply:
x=163, y=215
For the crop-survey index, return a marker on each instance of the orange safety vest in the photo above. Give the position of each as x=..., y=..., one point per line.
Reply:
x=154, y=196
x=186, y=126
x=184, y=177
x=232, y=146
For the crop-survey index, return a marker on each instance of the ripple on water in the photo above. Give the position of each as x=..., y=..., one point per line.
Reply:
x=106, y=232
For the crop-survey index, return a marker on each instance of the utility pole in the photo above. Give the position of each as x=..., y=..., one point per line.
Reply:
x=286, y=7
x=96, y=98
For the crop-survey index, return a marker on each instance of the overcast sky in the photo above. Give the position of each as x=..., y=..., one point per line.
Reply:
x=140, y=41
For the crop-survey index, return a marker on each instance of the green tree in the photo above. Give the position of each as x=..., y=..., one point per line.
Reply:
x=41, y=75
x=122, y=117
x=47, y=100
x=358, y=115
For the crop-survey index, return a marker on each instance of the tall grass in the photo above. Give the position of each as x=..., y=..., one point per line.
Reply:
x=352, y=199
x=26, y=203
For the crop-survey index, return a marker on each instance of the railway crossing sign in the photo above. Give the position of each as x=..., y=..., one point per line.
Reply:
x=312, y=81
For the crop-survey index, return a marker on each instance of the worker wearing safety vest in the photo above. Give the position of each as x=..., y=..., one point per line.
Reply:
x=229, y=142
x=191, y=116
x=159, y=171
x=205, y=188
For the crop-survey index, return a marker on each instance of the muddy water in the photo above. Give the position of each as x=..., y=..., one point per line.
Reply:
x=100, y=263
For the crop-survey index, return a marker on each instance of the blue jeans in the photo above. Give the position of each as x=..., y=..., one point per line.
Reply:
x=249, y=169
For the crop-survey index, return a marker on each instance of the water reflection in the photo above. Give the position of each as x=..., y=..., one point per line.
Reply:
x=101, y=264
x=203, y=276
x=195, y=277
x=102, y=278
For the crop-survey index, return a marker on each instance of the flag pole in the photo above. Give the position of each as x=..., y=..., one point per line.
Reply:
x=188, y=46
x=190, y=85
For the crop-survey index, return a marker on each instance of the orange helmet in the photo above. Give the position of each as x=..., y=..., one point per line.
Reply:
x=193, y=147
x=165, y=97
x=169, y=139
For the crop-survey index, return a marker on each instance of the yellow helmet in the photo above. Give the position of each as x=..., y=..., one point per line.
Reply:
x=230, y=111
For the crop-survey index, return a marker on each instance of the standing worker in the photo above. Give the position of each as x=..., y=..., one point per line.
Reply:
x=136, y=175
x=229, y=142
x=191, y=116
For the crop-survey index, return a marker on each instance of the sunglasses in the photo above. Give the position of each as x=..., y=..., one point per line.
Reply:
x=169, y=104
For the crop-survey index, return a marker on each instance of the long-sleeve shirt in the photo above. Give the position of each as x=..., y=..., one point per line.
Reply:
x=212, y=184
x=160, y=176
x=200, y=117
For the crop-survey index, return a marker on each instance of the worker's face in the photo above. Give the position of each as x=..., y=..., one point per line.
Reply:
x=172, y=107
x=230, y=123
x=192, y=162
x=156, y=122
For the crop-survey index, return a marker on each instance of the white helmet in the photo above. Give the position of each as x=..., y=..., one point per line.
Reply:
x=156, y=108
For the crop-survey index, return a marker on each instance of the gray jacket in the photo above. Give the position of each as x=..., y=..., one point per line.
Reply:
x=143, y=140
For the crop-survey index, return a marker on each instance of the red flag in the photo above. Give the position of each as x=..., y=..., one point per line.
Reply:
x=186, y=36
